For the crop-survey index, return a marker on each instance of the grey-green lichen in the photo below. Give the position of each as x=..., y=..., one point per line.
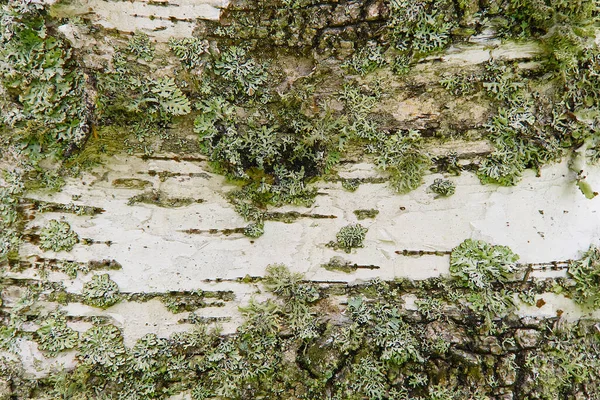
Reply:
x=351, y=185
x=276, y=136
x=254, y=229
x=74, y=268
x=140, y=46
x=367, y=59
x=476, y=264
x=102, y=347
x=189, y=50
x=46, y=112
x=585, y=272
x=58, y=236
x=442, y=187
x=482, y=267
x=177, y=303
x=234, y=69
x=401, y=154
x=349, y=237
x=54, y=336
x=101, y=292
x=357, y=354
x=10, y=238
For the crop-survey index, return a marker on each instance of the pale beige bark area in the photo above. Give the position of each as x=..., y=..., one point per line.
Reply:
x=161, y=19
x=157, y=257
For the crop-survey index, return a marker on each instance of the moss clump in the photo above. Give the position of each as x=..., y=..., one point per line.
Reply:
x=58, y=236
x=101, y=292
x=586, y=274
x=349, y=237
x=442, y=187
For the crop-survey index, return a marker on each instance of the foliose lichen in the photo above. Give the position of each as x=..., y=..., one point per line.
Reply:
x=101, y=292
x=349, y=237
x=58, y=236
x=442, y=187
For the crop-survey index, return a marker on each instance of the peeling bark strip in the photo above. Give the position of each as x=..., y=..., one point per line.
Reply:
x=375, y=179
x=225, y=232
x=225, y=295
x=552, y=265
x=131, y=183
x=161, y=199
x=48, y=206
x=164, y=175
x=56, y=263
x=357, y=266
x=291, y=216
x=419, y=253
x=195, y=319
x=175, y=158
x=90, y=241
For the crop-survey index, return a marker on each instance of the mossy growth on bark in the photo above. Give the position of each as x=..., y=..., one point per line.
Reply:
x=298, y=344
x=274, y=130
